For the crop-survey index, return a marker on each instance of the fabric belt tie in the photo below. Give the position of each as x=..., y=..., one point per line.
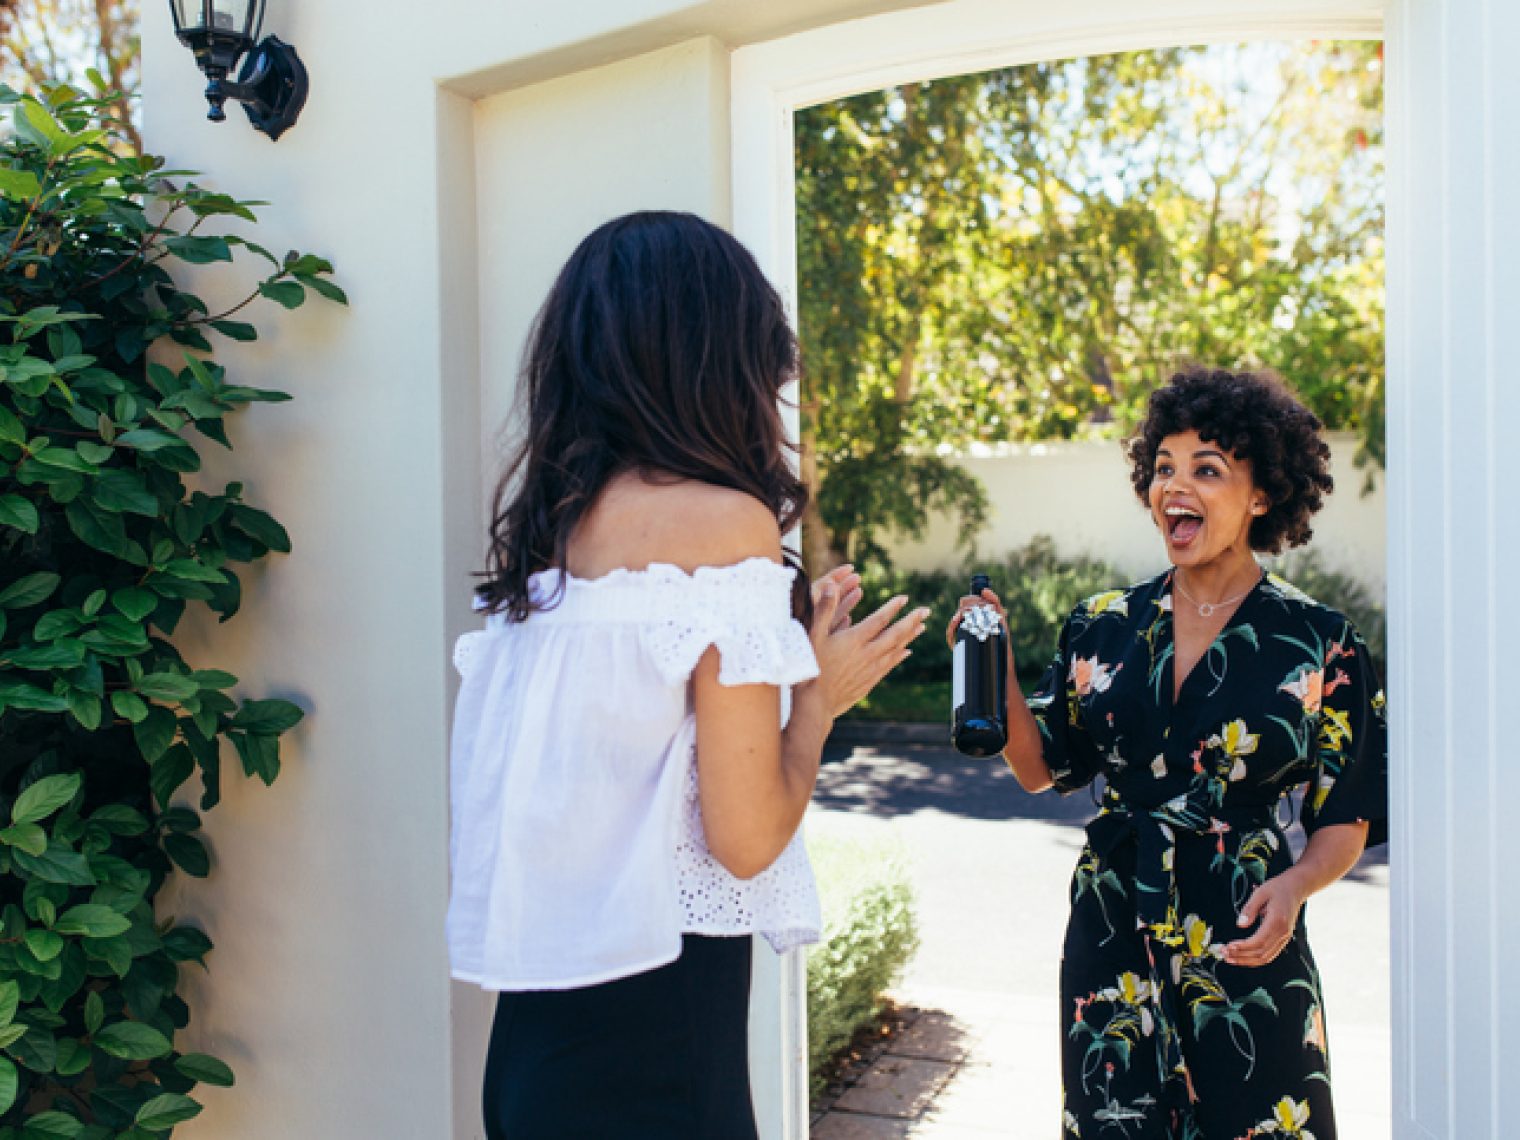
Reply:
x=1154, y=833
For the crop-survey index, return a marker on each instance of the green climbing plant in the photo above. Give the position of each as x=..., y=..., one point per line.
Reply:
x=109, y=391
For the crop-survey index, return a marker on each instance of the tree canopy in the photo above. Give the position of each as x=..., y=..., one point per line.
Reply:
x=86, y=44
x=1024, y=254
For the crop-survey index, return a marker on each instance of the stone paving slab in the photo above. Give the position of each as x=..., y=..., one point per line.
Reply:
x=896, y=1086
x=934, y=1036
x=850, y=1126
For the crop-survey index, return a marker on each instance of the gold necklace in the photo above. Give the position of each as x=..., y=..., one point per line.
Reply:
x=1208, y=609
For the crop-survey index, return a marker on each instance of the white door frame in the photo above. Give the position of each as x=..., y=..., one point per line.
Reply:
x=772, y=80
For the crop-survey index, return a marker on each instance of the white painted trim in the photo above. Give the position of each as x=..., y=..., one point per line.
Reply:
x=772, y=80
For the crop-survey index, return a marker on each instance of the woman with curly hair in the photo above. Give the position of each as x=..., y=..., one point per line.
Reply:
x=1190, y=1000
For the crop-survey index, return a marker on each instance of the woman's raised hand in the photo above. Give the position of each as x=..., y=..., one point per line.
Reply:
x=846, y=582
x=852, y=658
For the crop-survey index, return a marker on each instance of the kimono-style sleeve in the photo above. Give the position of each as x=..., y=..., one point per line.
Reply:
x=1350, y=782
x=1070, y=754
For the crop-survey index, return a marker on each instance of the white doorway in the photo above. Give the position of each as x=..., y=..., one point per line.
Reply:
x=772, y=80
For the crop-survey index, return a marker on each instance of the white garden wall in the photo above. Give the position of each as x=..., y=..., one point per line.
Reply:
x=1079, y=494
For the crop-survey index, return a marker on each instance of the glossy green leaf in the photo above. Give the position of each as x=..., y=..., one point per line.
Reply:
x=206, y=1069
x=51, y=1126
x=147, y=439
x=28, y=837
x=186, y=944
x=57, y=655
x=259, y=753
x=155, y=732
x=267, y=716
x=120, y=819
x=23, y=695
x=10, y=1001
x=170, y=771
x=192, y=571
x=28, y=590
x=44, y=944
x=290, y=294
x=135, y=603
x=121, y=490
x=36, y=1049
x=167, y=687
x=199, y=250
x=165, y=1111
x=18, y=184
x=73, y=1058
x=132, y=1041
x=18, y=513
x=189, y=854
x=129, y=706
x=91, y=920
x=43, y=798
x=94, y=1012
x=58, y=864
x=86, y=709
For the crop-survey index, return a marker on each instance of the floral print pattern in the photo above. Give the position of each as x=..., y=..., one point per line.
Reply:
x=1163, y=1037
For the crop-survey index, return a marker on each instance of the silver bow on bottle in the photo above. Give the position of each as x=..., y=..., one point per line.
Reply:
x=982, y=622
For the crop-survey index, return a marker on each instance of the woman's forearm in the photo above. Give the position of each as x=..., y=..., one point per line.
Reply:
x=802, y=747
x=1025, y=753
x=1332, y=851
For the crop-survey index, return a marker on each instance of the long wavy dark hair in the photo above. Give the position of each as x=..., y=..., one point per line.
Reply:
x=661, y=349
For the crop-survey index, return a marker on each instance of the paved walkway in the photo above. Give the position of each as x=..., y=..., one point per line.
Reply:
x=991, y=866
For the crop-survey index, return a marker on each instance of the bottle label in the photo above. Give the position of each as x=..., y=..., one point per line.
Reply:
x=958, y=696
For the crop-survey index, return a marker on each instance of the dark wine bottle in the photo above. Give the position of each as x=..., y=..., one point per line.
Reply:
x=979, y=704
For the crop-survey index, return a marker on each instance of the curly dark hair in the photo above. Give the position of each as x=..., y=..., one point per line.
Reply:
x=1255, y=416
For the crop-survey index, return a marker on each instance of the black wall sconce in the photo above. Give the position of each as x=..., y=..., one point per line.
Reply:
x=272, y=83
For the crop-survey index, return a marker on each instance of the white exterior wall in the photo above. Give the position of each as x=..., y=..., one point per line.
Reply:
x=328, y=989
x=447, y=174
x=1079, y=494
x=1453, y=294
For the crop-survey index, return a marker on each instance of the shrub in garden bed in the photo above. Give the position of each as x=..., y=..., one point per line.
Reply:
x=103, y=546
x=870, y=935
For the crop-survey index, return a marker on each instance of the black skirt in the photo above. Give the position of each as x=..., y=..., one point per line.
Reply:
x=661, y=1055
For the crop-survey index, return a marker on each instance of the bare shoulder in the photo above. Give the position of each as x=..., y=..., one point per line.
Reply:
x=715, y=526
x=687, y=524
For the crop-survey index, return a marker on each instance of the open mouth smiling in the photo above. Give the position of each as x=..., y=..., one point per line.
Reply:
x=1183, y=523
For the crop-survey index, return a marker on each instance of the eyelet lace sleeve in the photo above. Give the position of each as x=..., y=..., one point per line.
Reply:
x=744, y=610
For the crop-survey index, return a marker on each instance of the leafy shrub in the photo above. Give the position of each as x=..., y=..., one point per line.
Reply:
x=870, y=935
x=102, y=548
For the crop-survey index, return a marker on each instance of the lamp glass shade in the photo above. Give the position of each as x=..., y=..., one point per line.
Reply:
x=241, y=18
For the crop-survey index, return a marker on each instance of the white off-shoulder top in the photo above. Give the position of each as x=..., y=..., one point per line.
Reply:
x=576, y=845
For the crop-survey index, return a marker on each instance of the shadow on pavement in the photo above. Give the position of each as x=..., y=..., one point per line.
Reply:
x=886, y=779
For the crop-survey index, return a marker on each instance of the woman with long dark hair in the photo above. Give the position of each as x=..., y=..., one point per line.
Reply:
x=640, y=724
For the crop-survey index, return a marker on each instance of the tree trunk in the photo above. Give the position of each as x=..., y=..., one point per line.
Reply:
x=819, y=553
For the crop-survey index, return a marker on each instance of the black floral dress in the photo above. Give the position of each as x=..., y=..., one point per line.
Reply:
x=1162, y=1037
